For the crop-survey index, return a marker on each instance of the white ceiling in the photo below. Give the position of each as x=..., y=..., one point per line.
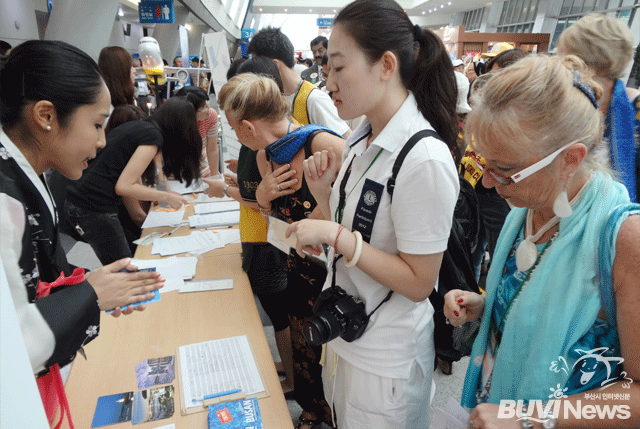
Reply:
x=430, y=12
x=438, y=8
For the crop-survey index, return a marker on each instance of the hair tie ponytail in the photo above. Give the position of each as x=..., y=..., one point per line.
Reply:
x=417, y=32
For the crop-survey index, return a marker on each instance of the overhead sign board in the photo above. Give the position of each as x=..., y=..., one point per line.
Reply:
x=325, y=22
x=247, y=33
x=156, y=12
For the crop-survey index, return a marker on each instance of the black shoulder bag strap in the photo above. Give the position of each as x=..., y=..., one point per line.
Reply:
x=391, y=183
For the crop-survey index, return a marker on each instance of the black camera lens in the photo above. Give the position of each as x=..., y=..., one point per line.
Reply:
x=322, y=328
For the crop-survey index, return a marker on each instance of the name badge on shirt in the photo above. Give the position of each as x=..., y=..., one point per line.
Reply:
x=367, y=208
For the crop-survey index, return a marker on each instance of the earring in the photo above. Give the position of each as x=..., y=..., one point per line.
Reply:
x=561, y=205
x=48, y=127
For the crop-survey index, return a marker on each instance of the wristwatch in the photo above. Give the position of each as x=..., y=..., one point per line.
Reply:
x=225, y=189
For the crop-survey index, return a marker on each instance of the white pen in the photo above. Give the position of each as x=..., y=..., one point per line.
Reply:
x=220, y=227
x=175, y=229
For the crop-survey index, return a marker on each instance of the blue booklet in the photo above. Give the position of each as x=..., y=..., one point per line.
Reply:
x=156, y=293
x=242, y=414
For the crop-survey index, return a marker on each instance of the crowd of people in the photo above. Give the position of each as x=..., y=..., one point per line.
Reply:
x=549, y=145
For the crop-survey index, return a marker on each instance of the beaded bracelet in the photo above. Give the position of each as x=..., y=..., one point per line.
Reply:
x=356, y=254
x=335, y=243
x=264, y=211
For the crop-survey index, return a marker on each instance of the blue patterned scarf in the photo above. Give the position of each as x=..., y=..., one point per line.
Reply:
x=282, y=151
x=620, y=125
x=556, y=308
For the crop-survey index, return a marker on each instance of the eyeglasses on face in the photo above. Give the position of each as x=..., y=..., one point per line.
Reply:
x=533, y=168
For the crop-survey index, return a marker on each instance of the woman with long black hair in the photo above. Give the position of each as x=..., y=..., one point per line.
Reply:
x=400, y=77
x=92, y=201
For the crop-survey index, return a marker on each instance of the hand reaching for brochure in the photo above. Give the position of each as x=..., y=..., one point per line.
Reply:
x=215, y=187
x=320, y=171
x=311, y=233
x=231, y=179
x=118, y=290
x=175, y=200
x=232, y=165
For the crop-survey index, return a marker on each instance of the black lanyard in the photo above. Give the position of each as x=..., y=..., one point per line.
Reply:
x=340, y=212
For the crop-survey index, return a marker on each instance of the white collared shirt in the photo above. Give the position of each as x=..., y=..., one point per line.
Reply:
x=418, y=222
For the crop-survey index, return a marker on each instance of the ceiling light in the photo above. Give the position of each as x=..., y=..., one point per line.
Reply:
x=335, y=11
x=441, y=6
x=260, y=9
x=423, y=12
x=285, y=9
x=188, y=27
x=449, y=3
x=310, y=10
x=120, y=12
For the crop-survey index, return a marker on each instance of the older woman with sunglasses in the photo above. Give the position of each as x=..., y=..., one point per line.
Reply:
x=559, y=314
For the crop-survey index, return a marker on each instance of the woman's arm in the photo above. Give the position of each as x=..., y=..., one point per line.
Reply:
x=128, y=183
x=320, y=172
x=212, y=150
x=626, y=272
x=216, y=187
x=413, y=276
x=134, y=209
x=158, y=161
x=267, y=190
x=322, y=146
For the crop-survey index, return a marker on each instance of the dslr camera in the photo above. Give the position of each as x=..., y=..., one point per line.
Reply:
x=335, y=313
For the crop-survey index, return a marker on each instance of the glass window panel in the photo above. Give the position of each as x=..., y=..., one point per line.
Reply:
x=233, y=8
x=566, y=7
x=506, y=10
x=503, y=14
x=625, y=16
x=560, y=26
x=577, y=6
x=533, y=11
x=510, y=13
x=627, y=3
x=524, y=10
x=600, y=5
x=613, y=4
x=517, y=7
x=243, y=13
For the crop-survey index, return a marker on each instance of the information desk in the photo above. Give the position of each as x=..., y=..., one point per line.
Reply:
x=178, y=319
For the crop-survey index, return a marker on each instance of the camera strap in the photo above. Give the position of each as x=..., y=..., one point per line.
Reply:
x=333, y=283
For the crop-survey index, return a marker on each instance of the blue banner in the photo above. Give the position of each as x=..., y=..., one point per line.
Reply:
x=247, y=33
x=156, y=12
x=325, y=22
